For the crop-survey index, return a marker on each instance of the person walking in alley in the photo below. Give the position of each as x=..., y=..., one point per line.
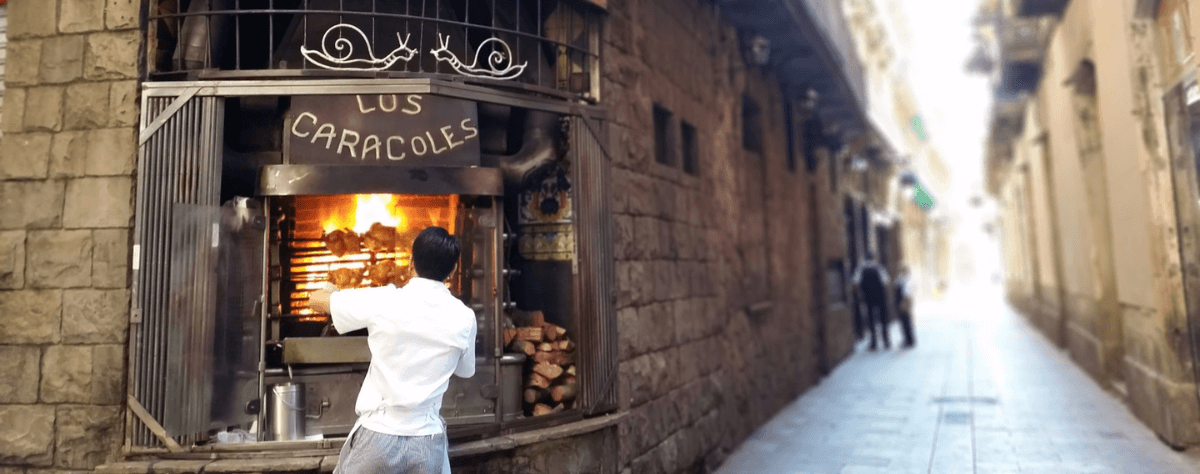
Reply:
x=872, y=283
x=419, y=336
x=903, y=299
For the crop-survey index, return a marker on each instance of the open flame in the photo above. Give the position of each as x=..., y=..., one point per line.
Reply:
x=368, y=209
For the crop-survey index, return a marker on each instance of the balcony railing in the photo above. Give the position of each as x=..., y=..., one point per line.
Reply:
x=546, y=45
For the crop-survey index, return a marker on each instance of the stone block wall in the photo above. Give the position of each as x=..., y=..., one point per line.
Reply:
x=66, y=205
x=713, y=270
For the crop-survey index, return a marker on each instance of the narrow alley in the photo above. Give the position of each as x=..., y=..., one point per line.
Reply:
x=982, y=392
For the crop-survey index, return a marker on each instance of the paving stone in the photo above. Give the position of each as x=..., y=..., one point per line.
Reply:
x=31, y=204
x=110, y=258
x=23, y=60
x=67, y=374
x=19, y=369
x=31, y=316
x=111, y=152
x=123, y=102
x=1022, y=398
x=98, y=202
x=27, y=434
x=59, y=258
x=121, y=14
x=44, y=109
x=12, y=260
x=29, y=19
x=25, y=156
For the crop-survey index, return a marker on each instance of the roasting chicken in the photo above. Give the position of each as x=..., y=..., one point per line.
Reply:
x=345, y=278
x=342, y=242
x=383, y=272
x=380, y=238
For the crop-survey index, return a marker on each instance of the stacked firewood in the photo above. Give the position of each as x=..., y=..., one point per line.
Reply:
x=550, y=378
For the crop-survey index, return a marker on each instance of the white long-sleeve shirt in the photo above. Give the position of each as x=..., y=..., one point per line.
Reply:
x=419, y=336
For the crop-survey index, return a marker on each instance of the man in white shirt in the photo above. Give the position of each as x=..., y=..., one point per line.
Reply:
x=419, y=336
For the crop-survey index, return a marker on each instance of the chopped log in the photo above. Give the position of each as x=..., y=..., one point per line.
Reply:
x=555, y=357
x=538, y=380
x=565, y=345
x=534, y=395
x=553, y=332
x=548, y=370
x=532, y=334
x=537, y=319
x=563, y=393
x=570, y=370
x=509, y=335
x=524, y=347
x=545, y=347
x=542, y=409
x=566, y=380
x=558, y=408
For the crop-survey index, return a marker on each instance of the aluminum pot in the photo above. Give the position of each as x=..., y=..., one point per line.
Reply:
x=287, y=412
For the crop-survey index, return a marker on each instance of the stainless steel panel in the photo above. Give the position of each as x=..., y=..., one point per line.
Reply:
x=292, y=180
x=326, y=350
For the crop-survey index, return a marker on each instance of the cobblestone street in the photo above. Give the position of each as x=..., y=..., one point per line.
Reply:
x=983, y=392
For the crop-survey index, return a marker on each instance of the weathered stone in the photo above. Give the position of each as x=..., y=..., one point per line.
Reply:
x=43, y=109
x=30, y=204
x=78, y=16
x=19, y=371
x=180, y=467
x=110, y=258
x=25, y=156
x=111, y=151
x=121, y=14
x=86, y=105
x=265, y=465
x=62, y=59
x=31, y=316
x=68, y=154
x=98, y=202
x=26, y=432
x=645, y=238
x=112, y=55
x=67, y=374
x=95, y=316
x=126, y=467
x=12, y=259
x=108, y=374
x=59, y=259
x=12, y=117
x=624, y=238
x=123, y=103
x=23, y=61
x=30, y=19
x=86, y=436
x=628, y=346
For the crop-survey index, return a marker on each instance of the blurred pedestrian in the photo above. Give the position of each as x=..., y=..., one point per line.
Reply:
x=903, y=298
x=872, y=283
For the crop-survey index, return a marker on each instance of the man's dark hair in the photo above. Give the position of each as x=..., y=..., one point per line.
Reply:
x=434, y=253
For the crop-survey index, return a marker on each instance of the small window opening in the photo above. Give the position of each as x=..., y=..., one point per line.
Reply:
x=691, y=154
x=663, y=151
x=752, y=139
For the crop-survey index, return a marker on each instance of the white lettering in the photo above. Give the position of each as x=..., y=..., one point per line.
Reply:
x=297, y=123
x=433, y=144
x=415, y=100
x=424, y=148
x=389, y=149
x=360, y=105
x=383, y=106
x=467, y=128
x=450, y=137
x=327, y=131
x=347, y=144
x=369, y=145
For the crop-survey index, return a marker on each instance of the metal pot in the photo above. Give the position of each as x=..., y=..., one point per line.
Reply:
x=287, y=412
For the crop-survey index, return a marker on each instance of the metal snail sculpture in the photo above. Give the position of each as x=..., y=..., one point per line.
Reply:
x=344, y=60
x=499, y=63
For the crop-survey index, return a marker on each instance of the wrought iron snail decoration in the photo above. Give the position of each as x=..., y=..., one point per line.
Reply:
x=498, y=63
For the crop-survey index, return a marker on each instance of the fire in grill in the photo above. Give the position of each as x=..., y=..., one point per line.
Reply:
x=355, y=241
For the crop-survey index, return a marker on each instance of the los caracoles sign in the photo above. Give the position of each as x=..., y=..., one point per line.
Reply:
x=389, y=129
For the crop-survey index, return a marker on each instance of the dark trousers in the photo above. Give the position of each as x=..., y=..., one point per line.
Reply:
x=906, y=325
x=877, y=320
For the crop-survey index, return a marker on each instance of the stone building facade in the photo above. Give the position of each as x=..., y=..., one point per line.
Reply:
x=1091, y=176
x=731, y=293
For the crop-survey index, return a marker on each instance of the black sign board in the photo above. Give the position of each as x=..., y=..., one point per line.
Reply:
x=389, y=129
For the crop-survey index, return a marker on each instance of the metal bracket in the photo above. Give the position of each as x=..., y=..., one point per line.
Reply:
x=166, y=114
x=155, y=428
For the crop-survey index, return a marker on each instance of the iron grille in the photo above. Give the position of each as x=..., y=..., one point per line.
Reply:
x=545, y=45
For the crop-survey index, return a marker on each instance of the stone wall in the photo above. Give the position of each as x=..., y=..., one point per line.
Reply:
x=715, y=321
x=66, y=163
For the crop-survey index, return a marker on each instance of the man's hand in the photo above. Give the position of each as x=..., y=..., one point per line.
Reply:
x=318, y=301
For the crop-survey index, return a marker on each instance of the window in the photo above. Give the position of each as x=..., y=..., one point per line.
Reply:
x=691, y=155
x=790, y=123
x=752, y=139
x=663, y=149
